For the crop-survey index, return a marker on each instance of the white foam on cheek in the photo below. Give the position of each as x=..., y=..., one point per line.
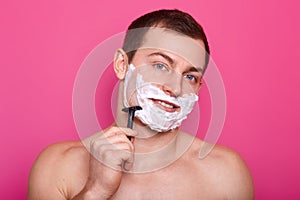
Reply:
x=151, y=115
x=158, y=119
x=128, y=75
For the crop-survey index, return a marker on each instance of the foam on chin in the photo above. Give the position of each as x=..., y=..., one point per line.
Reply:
x=157, y=119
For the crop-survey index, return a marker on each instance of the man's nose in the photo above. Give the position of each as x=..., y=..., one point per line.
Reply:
x=173, y=86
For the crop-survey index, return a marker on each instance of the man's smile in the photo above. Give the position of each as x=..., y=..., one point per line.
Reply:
x=165, y=105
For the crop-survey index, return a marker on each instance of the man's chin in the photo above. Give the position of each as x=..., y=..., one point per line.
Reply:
x=148, y=132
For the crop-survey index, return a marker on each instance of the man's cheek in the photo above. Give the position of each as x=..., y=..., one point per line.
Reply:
x=132, y=99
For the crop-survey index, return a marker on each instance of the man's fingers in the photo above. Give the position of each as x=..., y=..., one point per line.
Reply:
x=128, y=131
x=120, y=139
x=116, y=149
x=113, y=148
x=116, y=156
x=119, y=131
x=127, y=163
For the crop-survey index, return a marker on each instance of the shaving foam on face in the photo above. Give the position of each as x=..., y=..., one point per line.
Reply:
x=151, y=115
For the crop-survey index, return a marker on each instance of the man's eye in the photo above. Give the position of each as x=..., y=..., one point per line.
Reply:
x=160, y=66
x=191, y=77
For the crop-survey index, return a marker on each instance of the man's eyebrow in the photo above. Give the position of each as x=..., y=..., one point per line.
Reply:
x=168, y=58
x=171, y=61
x=194, y=69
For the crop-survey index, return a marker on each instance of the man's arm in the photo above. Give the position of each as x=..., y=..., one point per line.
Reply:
x=44, y=179
x=68, y=171
x=236, y=179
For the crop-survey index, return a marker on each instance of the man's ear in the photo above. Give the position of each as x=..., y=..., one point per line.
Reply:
x=120, y=63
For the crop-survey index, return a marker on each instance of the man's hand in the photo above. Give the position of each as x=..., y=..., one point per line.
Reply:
x=111, y=153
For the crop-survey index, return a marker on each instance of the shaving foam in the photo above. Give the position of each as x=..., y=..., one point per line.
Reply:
x=151, y=115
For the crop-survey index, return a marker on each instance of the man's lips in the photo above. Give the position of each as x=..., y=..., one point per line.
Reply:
x=165, y=105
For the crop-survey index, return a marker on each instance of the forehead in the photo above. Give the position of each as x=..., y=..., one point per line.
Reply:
x=191, y=50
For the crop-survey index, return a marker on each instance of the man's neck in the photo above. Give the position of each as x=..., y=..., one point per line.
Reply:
x=148, y=141
x=153, y=150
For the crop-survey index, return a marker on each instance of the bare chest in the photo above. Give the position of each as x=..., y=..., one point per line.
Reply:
x=183, y=185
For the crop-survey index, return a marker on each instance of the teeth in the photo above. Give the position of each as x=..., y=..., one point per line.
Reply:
x=164, y=104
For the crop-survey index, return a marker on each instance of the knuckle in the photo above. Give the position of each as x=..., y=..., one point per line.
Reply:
x=108, y=154
x=96, y=142
x=113, y=129
x=100, y=150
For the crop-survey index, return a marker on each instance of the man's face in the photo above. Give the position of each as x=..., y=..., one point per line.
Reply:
x=171, y=62
x=164, y=78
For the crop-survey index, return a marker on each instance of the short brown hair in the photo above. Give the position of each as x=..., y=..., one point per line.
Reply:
x=175, y=20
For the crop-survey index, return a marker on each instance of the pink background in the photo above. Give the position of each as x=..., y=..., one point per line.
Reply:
x=254, y=43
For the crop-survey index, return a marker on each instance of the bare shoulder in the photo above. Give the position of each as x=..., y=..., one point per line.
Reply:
x=225, y=169
x=54, y=171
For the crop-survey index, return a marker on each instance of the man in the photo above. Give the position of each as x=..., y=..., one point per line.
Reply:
x=160, y=68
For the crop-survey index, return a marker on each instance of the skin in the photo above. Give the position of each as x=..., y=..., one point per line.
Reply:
x=69, y=171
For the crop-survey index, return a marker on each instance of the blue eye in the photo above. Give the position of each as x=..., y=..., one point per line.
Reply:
x=191, y=77
x=160, y=66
